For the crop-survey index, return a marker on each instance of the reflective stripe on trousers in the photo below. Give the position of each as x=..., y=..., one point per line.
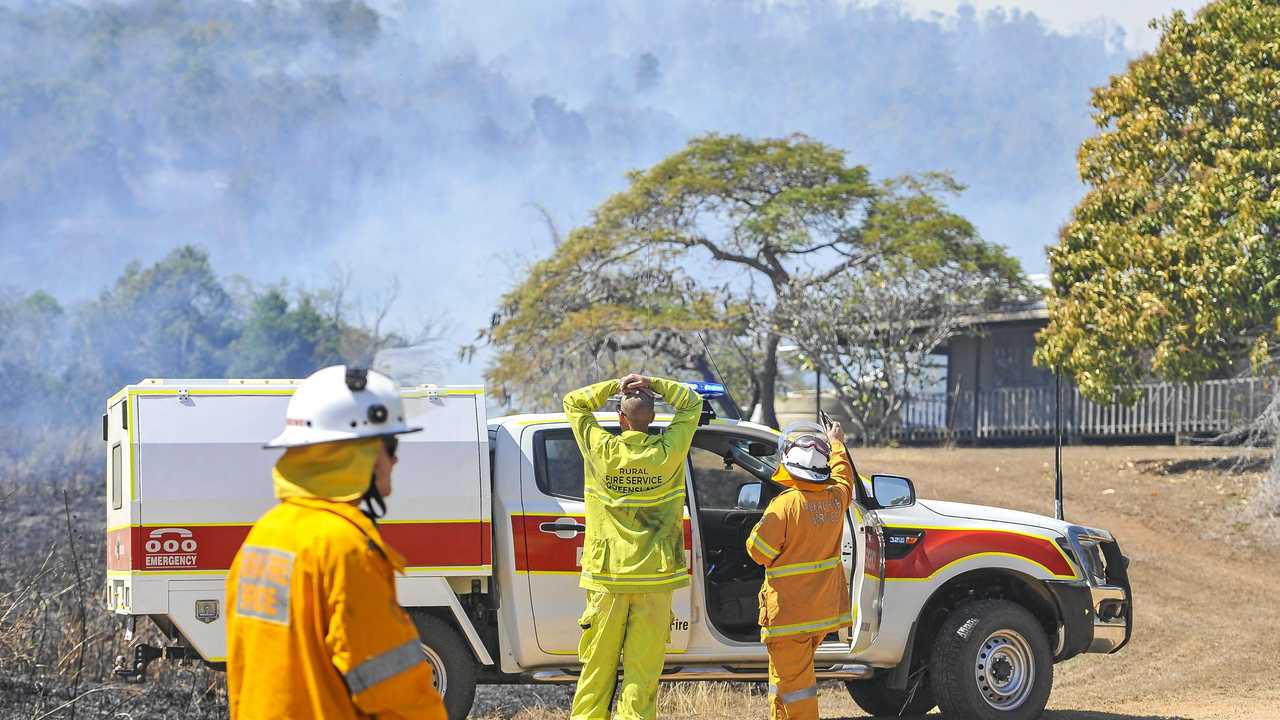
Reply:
x=793, y=686
x=794, y=695
x=384, y=667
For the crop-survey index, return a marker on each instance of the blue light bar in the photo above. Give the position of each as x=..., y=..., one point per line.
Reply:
x=708, y=390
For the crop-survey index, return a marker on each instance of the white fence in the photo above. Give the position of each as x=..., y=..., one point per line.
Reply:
x=1162, y=409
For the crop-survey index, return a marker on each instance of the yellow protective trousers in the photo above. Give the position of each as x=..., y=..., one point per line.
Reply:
x=793, y=688
x=635, y=626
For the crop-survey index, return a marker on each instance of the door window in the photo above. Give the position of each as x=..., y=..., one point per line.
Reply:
x=117, y=479
x=559, y=464
x=715, y=486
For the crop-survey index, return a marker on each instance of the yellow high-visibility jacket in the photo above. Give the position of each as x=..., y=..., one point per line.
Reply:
x=798, y=543
x=313, y=626
x=634, y=488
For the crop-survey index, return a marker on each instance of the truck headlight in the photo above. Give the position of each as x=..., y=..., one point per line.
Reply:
x=1084, y=545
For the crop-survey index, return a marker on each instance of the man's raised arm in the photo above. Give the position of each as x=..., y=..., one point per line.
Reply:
x=842, y=472
x=688, y=405
x=580, y=407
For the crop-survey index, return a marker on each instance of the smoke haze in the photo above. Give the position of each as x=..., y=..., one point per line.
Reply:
x=414, y=138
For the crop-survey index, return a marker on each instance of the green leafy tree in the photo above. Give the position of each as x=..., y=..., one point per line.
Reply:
x=711, y=238
x=279, y=340
x=1171, y=262
x=35, y=359
x=595, y=309
x=173, y=319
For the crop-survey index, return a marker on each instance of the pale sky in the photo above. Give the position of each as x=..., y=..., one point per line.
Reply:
x=1068, y=15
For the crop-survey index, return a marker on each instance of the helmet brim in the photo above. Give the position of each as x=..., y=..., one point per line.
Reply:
x=303, y=436
x=802, y=473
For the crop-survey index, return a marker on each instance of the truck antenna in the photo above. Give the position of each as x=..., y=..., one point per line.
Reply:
x=1057, y=443
x=733, y=404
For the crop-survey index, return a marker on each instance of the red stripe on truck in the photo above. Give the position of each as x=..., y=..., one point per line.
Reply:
x=172, y=548
x=940, y=548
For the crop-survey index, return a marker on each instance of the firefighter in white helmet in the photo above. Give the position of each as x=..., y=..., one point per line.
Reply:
x=804, y=596
x=313, y=626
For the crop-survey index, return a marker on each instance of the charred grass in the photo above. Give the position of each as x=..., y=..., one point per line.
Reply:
x=58, y=643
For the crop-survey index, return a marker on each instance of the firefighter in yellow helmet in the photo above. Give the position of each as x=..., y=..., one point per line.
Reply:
x=804, y=596
x=633, y=554
x=313, y=627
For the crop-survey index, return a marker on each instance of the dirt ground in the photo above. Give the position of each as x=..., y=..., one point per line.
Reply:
x=1206, y=584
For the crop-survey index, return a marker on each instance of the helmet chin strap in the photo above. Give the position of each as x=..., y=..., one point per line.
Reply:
x=375, y=508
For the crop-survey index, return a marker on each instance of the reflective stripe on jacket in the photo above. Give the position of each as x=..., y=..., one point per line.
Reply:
x=798, y=542
x=313, y=626
x=634, y=492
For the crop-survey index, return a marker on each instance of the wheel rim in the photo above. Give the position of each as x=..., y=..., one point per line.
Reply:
x=1005, y=670
x=439, y=676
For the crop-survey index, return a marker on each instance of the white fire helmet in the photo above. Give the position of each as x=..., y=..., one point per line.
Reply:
x=342, y=403
x=805, y=451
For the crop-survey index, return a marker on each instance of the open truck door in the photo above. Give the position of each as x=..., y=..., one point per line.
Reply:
x=866, y=578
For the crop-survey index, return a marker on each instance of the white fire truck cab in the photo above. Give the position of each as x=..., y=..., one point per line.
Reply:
x=962, y=606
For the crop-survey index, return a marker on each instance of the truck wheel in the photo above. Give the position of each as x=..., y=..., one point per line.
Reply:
x=991, y=661
x=878, y=700
x=453, y=669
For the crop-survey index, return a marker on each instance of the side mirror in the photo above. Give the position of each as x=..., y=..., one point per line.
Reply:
x=749, y=496
x=891, y=491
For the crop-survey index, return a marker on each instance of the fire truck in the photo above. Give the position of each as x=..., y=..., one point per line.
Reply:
x=961, y=606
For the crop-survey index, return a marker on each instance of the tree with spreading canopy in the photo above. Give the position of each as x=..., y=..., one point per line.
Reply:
x=1170, y=264
x=715, y=238
x=870, y=332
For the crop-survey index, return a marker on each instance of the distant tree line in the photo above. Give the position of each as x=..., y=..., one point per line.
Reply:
x=177, y=318
x=123, y=124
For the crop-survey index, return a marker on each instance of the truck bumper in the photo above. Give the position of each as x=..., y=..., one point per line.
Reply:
x=1097, y=613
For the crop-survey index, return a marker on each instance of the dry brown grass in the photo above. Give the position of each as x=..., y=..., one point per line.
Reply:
x=1205, y=579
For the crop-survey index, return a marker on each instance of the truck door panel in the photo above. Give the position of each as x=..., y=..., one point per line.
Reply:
x=867, y=578
x=553, y=527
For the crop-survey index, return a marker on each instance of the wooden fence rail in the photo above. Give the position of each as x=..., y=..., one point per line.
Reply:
x=1172, y=409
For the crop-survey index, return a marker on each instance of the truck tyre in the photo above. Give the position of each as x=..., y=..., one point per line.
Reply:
x=878, y=700
x=453, y=667
x=991, y=661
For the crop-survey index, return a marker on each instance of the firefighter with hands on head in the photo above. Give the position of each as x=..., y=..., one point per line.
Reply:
x=313, y=626
x=804, y=596
x=633, y=553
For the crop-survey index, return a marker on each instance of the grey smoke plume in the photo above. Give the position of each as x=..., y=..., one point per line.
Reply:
x=411, y=138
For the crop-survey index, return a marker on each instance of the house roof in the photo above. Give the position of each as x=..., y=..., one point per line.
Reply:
x=1018, y=312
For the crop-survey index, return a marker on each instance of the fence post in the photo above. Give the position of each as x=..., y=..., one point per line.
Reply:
x=1177, y=414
